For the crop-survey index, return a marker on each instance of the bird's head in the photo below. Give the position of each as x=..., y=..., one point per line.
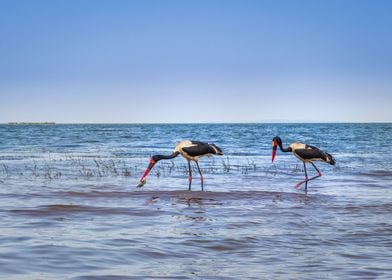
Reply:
x=276, y=141
x=143, y=180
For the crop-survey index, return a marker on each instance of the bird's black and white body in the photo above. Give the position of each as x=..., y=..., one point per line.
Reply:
x=305, y=153
x=191, y=151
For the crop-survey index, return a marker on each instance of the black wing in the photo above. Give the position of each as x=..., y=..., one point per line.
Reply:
x=199, y=149
x=309, y=154
x=314, y=153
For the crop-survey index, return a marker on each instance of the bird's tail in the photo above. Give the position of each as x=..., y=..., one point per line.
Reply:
x=329, y=159
x=218, y=150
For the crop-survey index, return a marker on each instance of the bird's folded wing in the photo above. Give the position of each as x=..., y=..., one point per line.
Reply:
x=308, y=154
x=199, y=150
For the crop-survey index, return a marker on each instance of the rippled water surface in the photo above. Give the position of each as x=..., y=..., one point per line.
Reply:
x=70, y=209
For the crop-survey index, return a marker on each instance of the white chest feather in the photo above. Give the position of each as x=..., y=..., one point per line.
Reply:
x=183, y=144
x=297, y=145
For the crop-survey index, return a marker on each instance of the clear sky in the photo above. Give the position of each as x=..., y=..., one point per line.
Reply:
x=179, y=61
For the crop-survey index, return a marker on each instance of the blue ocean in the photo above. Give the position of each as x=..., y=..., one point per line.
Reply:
x=70, y=208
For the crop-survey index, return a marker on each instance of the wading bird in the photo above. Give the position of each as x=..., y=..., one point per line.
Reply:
x=306, y=153
x=191, y=151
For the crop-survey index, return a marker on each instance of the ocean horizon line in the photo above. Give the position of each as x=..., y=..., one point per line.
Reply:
x=183, y=123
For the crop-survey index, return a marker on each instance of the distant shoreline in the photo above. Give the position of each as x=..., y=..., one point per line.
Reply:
x=31, y=123
x=193, y=123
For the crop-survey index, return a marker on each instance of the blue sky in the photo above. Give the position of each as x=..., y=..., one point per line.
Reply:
x=195, y=61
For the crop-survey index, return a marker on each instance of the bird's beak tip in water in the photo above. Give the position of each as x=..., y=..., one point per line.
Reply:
x=141, y=183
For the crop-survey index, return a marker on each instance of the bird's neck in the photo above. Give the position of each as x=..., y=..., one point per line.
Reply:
x=288, y=149
x=159, y=157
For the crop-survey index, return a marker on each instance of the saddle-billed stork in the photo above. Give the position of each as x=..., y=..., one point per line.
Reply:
x=191, y=151
x=306, y=153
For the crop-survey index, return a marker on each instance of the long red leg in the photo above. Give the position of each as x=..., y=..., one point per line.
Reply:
x=304, y=181
x=306, y=178
x=201, y=177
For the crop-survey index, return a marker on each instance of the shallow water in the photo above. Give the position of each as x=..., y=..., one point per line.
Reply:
x=70, y=209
